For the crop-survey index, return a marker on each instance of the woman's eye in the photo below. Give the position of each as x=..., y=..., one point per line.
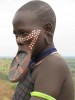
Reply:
x=23, y=33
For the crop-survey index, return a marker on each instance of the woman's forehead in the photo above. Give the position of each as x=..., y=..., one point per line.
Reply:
x=25, y=17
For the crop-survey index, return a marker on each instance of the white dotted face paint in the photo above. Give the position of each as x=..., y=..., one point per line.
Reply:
x=34, y=36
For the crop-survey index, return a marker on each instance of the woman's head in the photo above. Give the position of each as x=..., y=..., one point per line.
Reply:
x=35, y=15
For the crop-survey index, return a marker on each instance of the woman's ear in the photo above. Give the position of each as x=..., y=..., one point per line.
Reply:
x=48, y=33
x=48, y=27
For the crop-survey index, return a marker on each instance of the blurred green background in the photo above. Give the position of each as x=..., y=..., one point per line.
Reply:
x=7, y=88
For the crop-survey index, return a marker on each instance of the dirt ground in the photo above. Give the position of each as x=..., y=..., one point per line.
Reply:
x=5, y=90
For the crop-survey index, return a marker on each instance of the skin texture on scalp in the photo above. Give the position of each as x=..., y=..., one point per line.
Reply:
x=43, y=11
x=52, y=76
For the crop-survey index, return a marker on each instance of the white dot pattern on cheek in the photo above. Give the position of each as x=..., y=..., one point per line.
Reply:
x=34, y=35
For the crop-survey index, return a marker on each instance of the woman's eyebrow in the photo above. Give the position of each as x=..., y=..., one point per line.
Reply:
x=22, y=31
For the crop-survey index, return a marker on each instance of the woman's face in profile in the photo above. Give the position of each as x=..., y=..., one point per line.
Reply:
x=24, y=24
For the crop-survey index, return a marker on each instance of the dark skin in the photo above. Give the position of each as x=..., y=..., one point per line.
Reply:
x=52, y=76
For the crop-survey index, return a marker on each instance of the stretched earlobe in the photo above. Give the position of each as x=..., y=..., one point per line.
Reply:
x=48, y=39
x=48, y=33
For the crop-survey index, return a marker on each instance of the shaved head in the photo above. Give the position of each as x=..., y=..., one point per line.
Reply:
x=35, y=15
x=43, y=11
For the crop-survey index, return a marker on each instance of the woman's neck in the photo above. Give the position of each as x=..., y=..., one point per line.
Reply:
x=49, y=46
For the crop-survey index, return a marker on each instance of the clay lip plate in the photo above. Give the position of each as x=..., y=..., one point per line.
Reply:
x=19, y=66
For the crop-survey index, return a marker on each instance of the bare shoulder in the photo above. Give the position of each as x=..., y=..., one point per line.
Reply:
x=50, y=75
x=55, y=63
x=59, y=62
